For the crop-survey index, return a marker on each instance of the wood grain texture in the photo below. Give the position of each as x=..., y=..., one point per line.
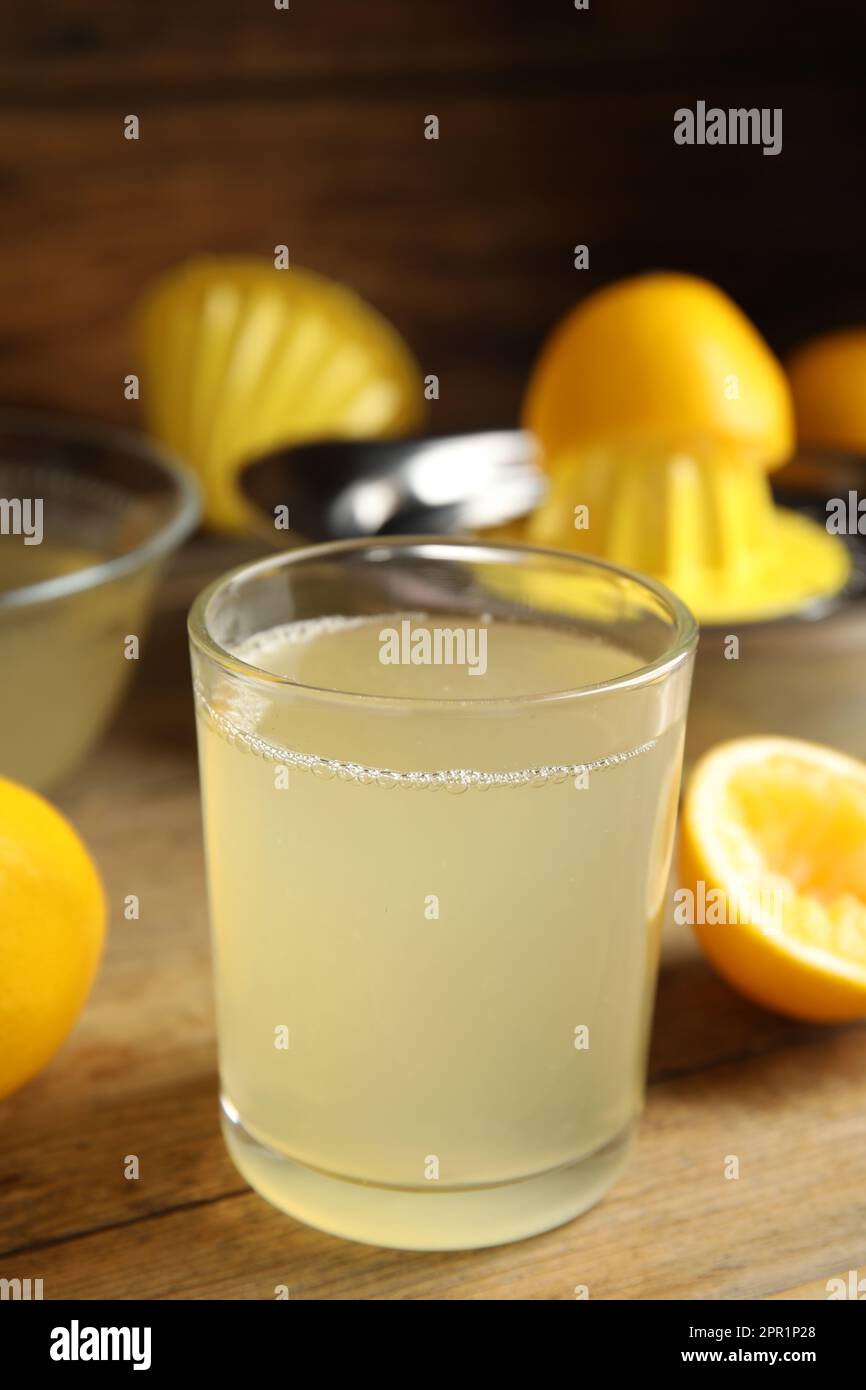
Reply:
x=260, y=127
x=139, y=1076
x=90, y=45
x=86, y=45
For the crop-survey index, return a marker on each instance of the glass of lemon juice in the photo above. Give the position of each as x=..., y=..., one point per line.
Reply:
x=439, y=781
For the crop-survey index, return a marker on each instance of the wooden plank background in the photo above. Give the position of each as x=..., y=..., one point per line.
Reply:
x=306, y=127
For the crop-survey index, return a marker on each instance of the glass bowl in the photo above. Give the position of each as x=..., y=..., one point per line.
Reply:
x=88, y=517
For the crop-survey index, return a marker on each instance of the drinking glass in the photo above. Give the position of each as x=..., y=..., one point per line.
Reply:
x=440, y=782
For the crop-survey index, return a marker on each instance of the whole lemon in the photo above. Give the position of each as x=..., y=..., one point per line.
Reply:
x=828, y=378
x=52, y=926
x=664, y=358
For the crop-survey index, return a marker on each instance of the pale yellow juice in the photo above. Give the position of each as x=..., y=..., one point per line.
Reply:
x=435, y=923
x=62, y=658
x=22, y=564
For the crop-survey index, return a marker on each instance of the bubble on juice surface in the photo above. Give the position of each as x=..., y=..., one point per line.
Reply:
x=238, y=708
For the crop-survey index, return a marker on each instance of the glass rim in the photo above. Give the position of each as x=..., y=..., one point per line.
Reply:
x=683, y=643
x=185, y=514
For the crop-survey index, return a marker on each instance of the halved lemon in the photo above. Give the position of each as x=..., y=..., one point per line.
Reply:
x=660, y=411
x=666, y=359
x=773, y=849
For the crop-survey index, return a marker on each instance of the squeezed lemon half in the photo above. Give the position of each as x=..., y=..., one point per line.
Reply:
x=661, y=412
x=774, y=834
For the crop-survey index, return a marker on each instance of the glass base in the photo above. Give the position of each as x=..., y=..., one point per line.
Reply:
x=434, y=1219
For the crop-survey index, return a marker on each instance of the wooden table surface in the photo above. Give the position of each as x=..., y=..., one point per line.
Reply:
x=138, y=1076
